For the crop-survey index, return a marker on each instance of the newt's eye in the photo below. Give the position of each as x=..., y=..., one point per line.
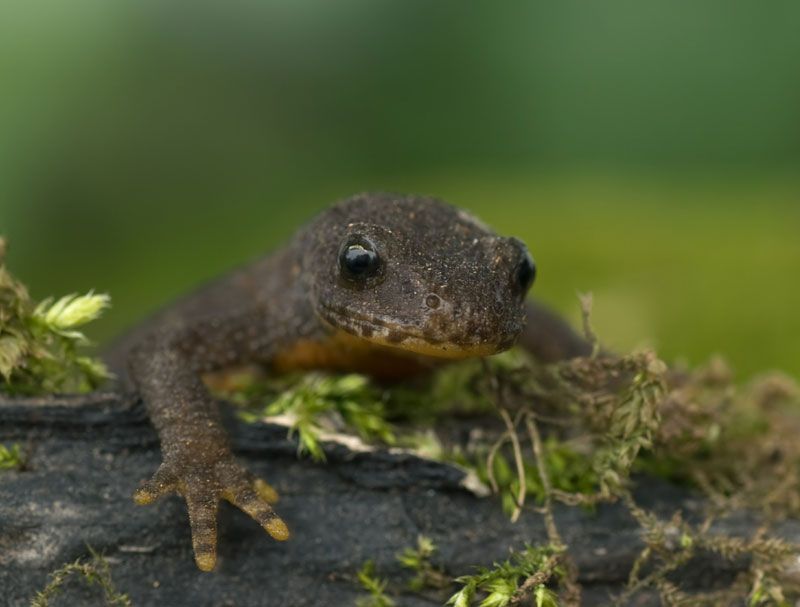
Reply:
x=526, y=272
x=358, y=258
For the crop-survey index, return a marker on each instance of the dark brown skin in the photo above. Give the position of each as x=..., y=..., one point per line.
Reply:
x=381, y=284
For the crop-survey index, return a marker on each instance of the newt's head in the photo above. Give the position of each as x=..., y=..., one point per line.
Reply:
x=417, y=274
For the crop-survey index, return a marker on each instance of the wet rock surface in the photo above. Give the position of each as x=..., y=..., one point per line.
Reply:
x=87, y=455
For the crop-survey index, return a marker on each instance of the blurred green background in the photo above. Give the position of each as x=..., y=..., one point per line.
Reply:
x=646, y=151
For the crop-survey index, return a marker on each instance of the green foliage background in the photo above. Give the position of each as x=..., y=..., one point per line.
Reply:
x=647, y=152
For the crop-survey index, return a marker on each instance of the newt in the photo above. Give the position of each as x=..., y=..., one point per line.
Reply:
x=382, y=284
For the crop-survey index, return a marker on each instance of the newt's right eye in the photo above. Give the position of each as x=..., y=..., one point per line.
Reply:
x=358, y=258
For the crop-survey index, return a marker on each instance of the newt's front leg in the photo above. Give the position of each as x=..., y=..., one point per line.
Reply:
x=197, y=459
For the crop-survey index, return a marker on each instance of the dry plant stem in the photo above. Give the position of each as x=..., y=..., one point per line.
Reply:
x=490, y=461
x=721, y=502
x=520, y=464
x=93, y=572
x=547, y=487
x=657, y=577
x=572, y=591
x=523, y=593
x=540, y=577
x=511, y=433
x=587, y=301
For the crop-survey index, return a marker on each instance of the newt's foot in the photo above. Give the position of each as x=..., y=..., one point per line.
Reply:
x=202, y=485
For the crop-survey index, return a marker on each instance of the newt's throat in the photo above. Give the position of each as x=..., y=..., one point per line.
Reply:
x=343, y=352
x=362, y=333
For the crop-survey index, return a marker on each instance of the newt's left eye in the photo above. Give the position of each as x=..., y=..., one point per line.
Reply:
x=526, y=272
x=358, y=258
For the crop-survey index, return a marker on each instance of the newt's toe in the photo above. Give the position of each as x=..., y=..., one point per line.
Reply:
x=202, y=507
x=277, y=529
x=143, y=497
x=161, y=483
x=202, y=484
x=248, y=498
x=266, y=491
x=205, y=561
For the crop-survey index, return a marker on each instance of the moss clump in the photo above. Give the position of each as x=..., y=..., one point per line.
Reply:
x=738, y=444
x=375, y=587
x=316, y=405
x=575, y=432
x=11, y=458
x=418, y=560
x=524, y=575
x=94, y=572
x=40, y=343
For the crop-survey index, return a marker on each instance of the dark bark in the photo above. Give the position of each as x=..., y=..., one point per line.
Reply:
x=89, y=453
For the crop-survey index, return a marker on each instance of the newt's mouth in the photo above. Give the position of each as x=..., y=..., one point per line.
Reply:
x=379, y=331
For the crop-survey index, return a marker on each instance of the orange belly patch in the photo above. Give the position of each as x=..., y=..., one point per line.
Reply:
x=345, y=353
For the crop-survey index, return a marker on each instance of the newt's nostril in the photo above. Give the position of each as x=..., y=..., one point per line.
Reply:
x=433, y=301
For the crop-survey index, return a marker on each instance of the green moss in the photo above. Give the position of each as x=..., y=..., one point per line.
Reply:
x=571, y=472
x=11, y=458
x=526, y=572
x=40, y=343
x=574, y=432
x=418, y=560
x=94, y=572
x=315, y=405
x=375, y=586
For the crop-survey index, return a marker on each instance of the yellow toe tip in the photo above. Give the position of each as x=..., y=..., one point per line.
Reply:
x=266, y=491
x=277, y=529
x=143, y=498
x=205, y=562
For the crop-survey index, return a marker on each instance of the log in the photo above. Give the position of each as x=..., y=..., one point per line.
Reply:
x=88, y=454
